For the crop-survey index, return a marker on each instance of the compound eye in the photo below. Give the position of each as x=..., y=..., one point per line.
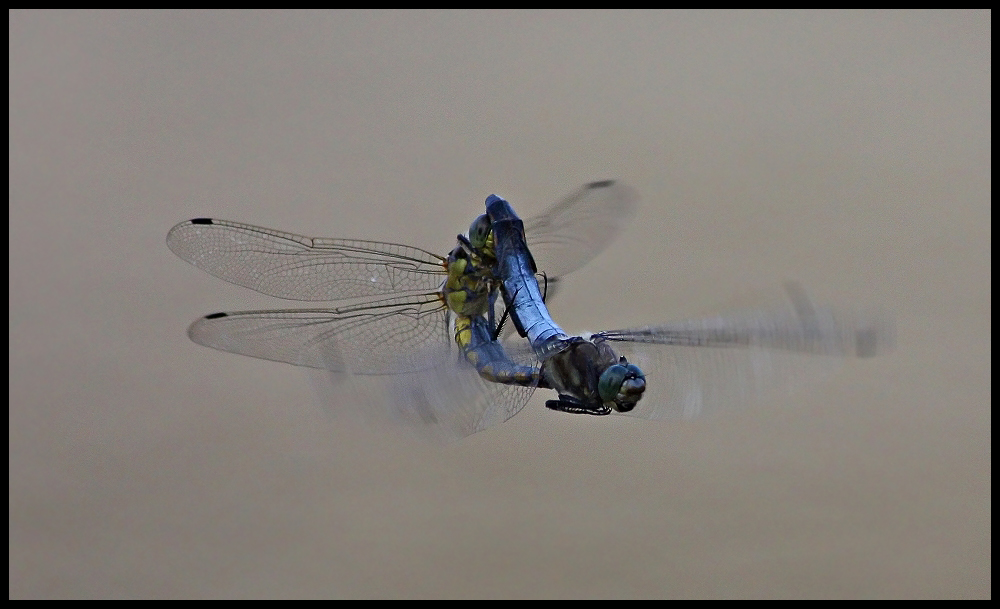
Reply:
x=611, y=381
x=479, y=231
x=635, y=372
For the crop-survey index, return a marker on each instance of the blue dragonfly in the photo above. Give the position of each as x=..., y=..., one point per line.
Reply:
x=591, y=377
x=401, y=312
x=429, y=324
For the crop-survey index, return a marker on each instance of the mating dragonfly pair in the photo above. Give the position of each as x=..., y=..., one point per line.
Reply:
x=436, y=325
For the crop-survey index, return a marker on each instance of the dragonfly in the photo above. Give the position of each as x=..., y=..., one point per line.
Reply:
x=592, y=378
x=427, y=322
x=401, y=323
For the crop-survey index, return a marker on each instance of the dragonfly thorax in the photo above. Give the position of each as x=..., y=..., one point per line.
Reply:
x=591, y=377
x=470, y=278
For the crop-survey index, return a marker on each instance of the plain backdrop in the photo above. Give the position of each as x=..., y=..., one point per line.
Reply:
x=850, y=151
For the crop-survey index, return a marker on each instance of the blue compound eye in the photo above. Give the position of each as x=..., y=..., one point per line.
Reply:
x=635, y=372
x=621, y=386
x=611, y=382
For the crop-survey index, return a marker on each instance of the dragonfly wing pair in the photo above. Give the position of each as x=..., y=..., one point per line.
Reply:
x=392, y=319
x=693, y=367
x=699, y=367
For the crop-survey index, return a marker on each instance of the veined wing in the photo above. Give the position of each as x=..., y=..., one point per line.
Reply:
x=295, y=267
x=699, y=366
x=569, y=234
x=374, y=337
x=408, y=340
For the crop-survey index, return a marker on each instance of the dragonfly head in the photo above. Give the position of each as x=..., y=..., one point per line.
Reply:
x=621, y=385
x=479, y=231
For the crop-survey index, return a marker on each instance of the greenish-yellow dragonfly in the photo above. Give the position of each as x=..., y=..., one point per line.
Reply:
x=400, y=310
x=430, y=323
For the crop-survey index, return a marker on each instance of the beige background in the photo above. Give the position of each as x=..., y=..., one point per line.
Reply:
x=850, y=151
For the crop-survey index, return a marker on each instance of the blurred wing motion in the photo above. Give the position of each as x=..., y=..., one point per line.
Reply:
x=701, y=366
x=395, y=321
x=450, y=400
x=428, y=384
x=572, y=232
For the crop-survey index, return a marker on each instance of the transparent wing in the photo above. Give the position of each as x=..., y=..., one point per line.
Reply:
x=427, y=385
x=296, y=267
x=376, y=337
x=569, y=234
x=451, y=401
x=303, y=268
x=700, y=366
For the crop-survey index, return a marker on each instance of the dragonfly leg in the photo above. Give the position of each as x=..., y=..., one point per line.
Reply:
x=571, y=405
